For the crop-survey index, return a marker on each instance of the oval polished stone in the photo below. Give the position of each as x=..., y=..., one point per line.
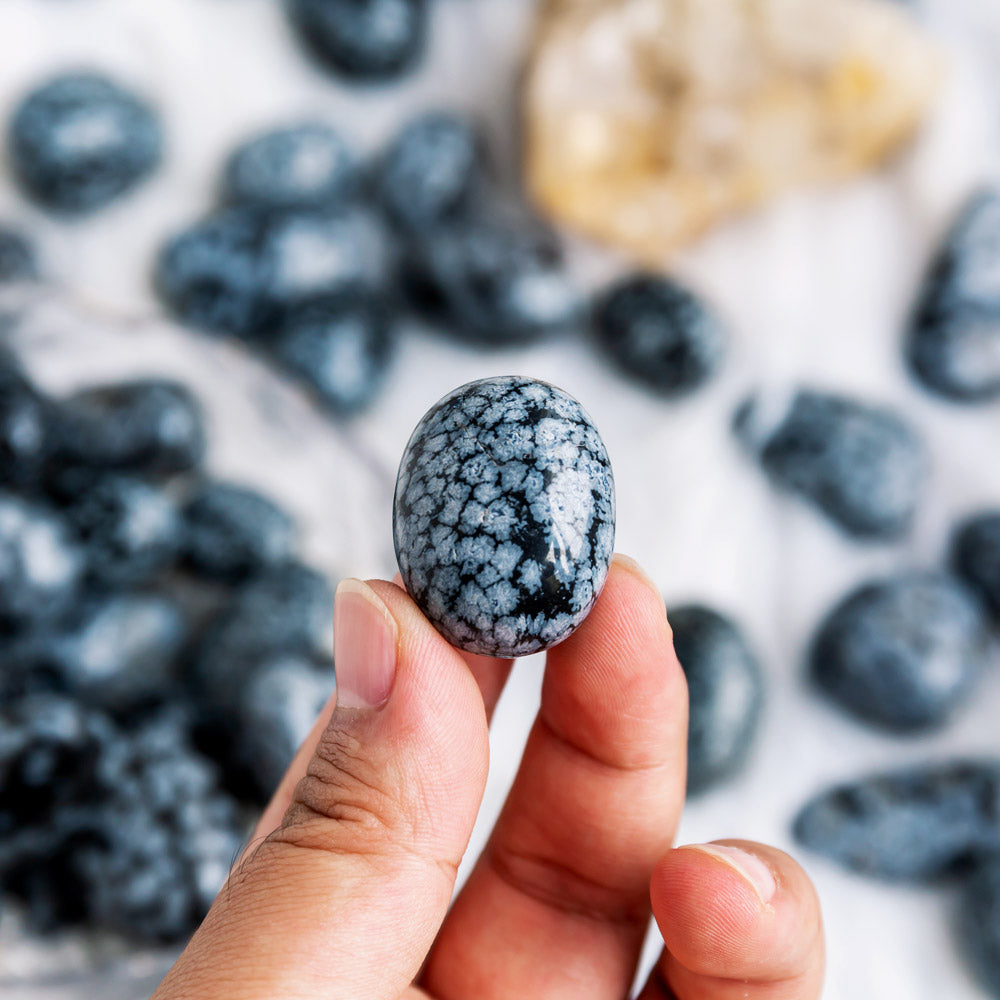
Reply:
x=504, y=516
x=913, y=824
x=725, y=693
x=904, y=652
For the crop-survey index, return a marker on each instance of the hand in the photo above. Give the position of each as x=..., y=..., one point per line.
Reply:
x=346, y=896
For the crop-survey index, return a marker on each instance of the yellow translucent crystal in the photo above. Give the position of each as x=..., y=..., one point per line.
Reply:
x=647, y=121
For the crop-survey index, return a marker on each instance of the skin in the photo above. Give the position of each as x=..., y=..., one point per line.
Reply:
x=346, y=889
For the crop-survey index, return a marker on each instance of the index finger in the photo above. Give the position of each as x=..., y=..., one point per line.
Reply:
x=558, y=904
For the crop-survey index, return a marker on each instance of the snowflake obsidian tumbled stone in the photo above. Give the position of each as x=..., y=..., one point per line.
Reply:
x=504, y=516
x=80, y=141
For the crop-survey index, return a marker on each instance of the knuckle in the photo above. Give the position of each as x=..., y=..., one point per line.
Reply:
x=348, y=800
x=566, y=889
x=638, y=747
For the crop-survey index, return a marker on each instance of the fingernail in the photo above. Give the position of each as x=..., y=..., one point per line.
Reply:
x=750, y=867
x=364, y=646
x=628, y=564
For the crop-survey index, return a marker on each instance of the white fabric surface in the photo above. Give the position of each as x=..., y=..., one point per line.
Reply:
x=814, y=290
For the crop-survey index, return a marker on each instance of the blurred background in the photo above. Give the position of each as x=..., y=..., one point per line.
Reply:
x=309, y=327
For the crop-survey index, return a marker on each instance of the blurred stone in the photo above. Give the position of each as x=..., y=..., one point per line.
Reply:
x=647, y=121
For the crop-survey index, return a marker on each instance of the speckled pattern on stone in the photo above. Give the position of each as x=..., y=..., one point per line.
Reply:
x=504, y=516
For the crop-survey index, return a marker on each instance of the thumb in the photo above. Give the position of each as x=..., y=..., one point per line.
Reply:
x=344, y=899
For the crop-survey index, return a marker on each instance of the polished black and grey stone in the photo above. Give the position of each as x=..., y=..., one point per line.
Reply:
x=504, y=516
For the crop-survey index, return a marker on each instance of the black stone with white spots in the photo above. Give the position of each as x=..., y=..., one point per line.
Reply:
x=80, y=141
x=978, y=930
x=863, y=466
x=953, y=342
x=504, y=516
x=659, y=333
